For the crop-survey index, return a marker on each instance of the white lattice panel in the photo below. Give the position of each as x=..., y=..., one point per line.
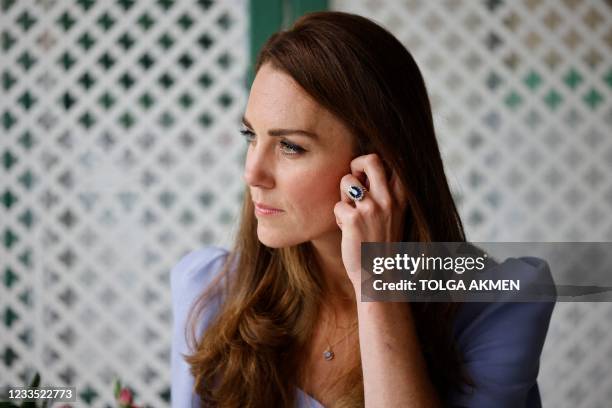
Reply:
x=120, y=152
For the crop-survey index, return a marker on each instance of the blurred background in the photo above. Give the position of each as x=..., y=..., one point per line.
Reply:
x=120, y=151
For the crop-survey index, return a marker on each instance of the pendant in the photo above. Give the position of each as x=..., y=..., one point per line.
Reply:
x=328, y=355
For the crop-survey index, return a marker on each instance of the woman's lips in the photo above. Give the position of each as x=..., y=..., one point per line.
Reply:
x=265, y=210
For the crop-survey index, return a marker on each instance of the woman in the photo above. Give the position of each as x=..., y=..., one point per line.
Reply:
x=341, y=151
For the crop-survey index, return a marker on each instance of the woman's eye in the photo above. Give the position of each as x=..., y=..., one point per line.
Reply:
x=247, y=134
x=291, y=148
x=288, y=148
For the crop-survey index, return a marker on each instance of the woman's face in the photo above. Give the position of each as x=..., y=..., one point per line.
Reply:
x=294, y=172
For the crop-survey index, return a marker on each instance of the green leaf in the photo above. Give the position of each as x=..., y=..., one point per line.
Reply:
x=117, y=387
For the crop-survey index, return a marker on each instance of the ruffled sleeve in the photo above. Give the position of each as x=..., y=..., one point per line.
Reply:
x=501, y=345
x=188, y=279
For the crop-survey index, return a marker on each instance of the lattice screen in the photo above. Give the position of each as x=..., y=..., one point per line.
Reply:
x=120, y=151
x=522, y=94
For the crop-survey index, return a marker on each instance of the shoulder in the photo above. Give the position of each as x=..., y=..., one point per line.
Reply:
x=501, y=342
x=195, y=269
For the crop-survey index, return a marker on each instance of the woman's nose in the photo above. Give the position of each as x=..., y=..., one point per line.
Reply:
x=258, y=169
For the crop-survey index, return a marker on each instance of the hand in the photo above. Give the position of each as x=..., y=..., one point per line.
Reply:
x=378, y=217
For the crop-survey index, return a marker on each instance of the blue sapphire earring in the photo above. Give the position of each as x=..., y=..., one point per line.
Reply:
x=356, y=192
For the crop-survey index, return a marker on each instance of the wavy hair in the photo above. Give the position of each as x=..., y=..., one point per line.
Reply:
x=269, y=298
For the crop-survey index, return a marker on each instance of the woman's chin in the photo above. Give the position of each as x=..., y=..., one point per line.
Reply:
x=275, y=240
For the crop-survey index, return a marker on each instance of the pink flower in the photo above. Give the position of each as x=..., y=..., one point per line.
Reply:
x=125, y=396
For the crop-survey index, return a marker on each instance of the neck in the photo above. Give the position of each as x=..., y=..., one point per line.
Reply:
x=339, y=292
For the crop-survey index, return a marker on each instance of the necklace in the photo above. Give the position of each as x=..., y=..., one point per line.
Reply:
x=329, y=354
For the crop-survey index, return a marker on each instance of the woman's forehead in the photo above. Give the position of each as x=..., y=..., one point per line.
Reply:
x=277, y=95
x=276, y=101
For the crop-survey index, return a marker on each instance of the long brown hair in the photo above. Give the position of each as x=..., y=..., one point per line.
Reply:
x=270, y=297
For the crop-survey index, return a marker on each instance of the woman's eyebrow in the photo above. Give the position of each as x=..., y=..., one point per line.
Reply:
x=283, y=132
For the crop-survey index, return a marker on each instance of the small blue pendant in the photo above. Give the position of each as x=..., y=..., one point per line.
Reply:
x=328, y=355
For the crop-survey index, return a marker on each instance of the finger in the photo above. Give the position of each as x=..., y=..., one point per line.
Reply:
x=344, y=213
x=345, y=183
x=372, y=167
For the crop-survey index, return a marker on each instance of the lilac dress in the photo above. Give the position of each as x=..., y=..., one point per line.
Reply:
x=501, y=342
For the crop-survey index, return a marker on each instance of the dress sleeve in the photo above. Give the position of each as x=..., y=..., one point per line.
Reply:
x=188, y=278
x=501, y=345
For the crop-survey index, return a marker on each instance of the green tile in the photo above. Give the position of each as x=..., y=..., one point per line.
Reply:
x=146, y=21
x=5, y=5
x=86, y=41
x=593, y=98
x=9, y=277
x=205, y=119
x=8, y=80
x=126, y=80
x=205, y=4
x=26, y=21
x=88, y=394
x=166, y=41
x=185, y=61
x=107, y=100
x=8, y=160
x=225, y=100
x=165, y=5
x=553, y=99
x=27, y=60
x=8, y=120
x=205, y=41
x=66, y=61
x=106, y=61
x=513, y=100
x=533, y=80
x=106, y=21
x=86, y=4
x=127, y=120
x=126, y=4
x=26, y=218
x=205, y=80
x=27, y=179
x=225, y=21
x=146, y=100
x=8, y=199
x=126, y=41
x=572, y=79
x=87, y=119
x=185, y=22
x=9, y=238
x=27, y=100
x=166, y=120
x=67, y=100
x=66, y=21
x=9, y=356
x=7, y=41
x=146, y=61
x=166, y=80
x=186, y=100
x=87, y=80
x=26, y=140
x=9, y=317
